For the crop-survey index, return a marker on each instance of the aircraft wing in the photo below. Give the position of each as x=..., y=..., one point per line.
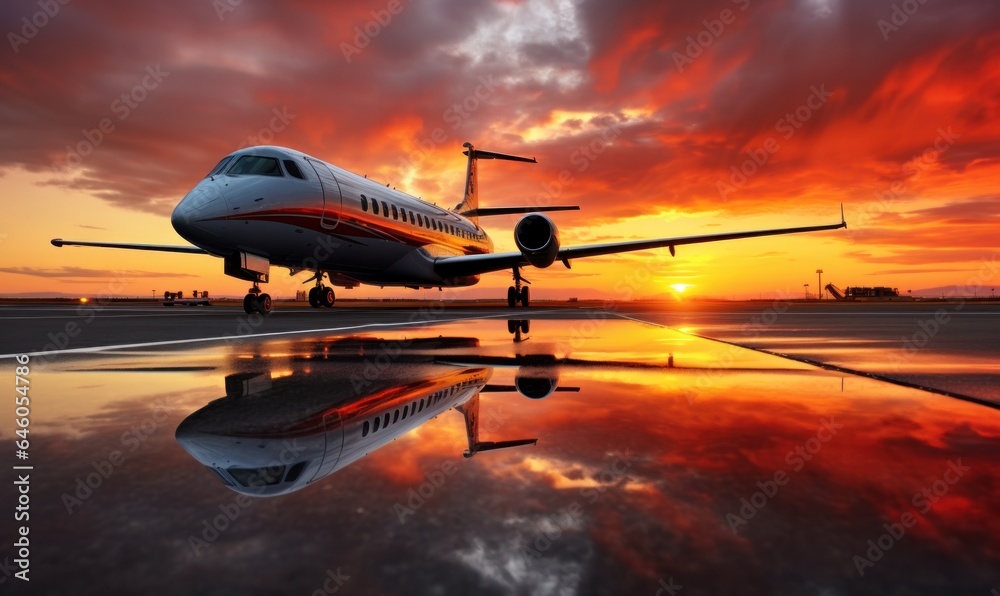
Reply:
x=157, y=247
x=476, y=264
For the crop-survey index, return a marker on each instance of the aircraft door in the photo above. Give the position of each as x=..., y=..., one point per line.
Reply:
x=334, y=434
x=332, y=199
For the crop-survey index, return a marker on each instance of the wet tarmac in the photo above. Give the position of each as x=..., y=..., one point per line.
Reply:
x=575, y=453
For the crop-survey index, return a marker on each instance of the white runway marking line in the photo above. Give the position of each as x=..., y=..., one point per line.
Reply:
x=922, y=313
x=175, y=342
x=99, y=316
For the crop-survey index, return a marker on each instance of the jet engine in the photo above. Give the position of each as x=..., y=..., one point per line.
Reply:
x=538, y=239
x=536, y=384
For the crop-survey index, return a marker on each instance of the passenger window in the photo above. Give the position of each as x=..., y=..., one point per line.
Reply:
x=364, y=203
x=405, y=409
x=385, y=209
x=385, y=420
x=420, y=220
x=395, y=417
x=377, y=420
x=411, y=217
x=395, y=212
x=402, y=215
x=293, y=169
x=365, y=428
x=374, y=206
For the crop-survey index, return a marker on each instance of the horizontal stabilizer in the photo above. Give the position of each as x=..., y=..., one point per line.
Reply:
x=480, y=154
x=194, y=250
x=488, y=211
x=513, y=389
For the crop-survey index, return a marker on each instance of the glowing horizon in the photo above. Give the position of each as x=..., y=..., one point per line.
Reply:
x=663, y=126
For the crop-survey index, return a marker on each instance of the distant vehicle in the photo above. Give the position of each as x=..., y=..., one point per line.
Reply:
x=177, y=298
x=264, y=206
x=865, y=293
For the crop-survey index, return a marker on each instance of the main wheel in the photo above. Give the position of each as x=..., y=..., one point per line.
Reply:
x=314, y=297
x=248, y=303
x=264, y=304
x=524, y=297
x=511, y=297
x=326, y=297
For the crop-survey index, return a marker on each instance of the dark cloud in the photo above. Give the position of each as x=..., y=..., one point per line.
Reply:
x=363, y=90
x=68, y=273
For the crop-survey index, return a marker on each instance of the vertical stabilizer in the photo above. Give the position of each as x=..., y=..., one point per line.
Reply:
x=470, y=410
x=470, y=201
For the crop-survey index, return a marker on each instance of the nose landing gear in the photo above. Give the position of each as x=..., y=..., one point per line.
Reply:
x=517, y=294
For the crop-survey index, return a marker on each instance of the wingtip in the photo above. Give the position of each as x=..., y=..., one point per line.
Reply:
x=843, y=220
x=57, y=242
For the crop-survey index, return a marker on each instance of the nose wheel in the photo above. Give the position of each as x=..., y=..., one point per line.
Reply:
x=321, y=295
x=257, y=301
x=516, y=294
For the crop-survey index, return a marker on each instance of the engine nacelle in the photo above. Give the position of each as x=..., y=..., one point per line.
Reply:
x=536, y=384
x=538, y=239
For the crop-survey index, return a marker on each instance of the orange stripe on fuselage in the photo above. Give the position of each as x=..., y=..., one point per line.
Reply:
x=411, y=235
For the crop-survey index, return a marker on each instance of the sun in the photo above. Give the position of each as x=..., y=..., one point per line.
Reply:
x=679, y=288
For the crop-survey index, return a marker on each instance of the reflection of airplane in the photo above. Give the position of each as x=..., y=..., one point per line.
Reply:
x=264, y=206
x=271, y=436
x=518, y=327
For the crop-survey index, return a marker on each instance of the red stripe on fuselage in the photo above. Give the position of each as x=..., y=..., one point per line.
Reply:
x=310, y=218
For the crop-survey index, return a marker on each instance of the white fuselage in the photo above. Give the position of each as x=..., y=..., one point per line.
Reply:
x=293, y=431
x=311, y=215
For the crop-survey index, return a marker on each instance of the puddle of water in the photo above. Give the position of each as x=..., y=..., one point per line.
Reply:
x=585, y=456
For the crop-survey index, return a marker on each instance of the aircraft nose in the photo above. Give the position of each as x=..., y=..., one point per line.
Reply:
x=199, y=212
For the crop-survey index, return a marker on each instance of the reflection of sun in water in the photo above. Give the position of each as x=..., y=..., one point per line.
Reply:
x=679, y=288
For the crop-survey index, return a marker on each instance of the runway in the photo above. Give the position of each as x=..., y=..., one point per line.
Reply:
x=947, y=346
x=477, y=449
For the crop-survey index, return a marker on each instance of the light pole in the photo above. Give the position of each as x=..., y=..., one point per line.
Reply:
x=805, y=288
x=819, y=291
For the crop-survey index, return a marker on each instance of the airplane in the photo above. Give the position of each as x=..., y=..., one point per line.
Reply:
x=273, y=434
x=269, y=206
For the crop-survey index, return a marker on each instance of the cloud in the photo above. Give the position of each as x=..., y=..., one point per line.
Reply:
x=70, y=274
x=627, y=99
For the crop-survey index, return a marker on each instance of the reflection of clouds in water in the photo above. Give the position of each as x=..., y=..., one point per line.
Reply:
x=590, y=525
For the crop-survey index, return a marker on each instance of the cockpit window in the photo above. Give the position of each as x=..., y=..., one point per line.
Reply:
x=293, y=169
x=220, y=475
x=255, y=165
x=220, y=166
x=295, y=471
x=248, y=477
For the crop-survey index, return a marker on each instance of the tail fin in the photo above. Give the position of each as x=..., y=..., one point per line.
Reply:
x=470, y=410
x=470, y=202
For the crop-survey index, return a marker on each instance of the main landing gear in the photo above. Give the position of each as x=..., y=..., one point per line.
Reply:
x=257, y=301
x=321, y=295
x=517, y=294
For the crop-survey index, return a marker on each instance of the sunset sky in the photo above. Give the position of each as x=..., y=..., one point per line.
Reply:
x=648, y=107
